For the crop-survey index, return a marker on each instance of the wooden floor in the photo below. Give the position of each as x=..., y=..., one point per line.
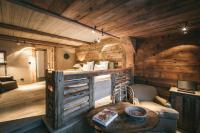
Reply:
x=25, y=101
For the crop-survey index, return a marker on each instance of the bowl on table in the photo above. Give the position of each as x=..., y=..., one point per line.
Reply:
x=136, y=112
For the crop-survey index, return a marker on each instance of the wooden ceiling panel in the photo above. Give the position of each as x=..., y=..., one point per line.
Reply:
x=165, y=20
x=134, y=17
x=173, y=22
x=137, y=18
x=24, y=17
x=16, y=33
x=57, y=6
x=91, y=9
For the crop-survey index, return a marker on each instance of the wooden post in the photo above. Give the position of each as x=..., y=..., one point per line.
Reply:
x=54, y=98
x=59, y=96
x=91, y=89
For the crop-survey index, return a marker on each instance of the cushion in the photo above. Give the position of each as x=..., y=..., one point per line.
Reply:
x=97, y=67
x=104, y=64
x=8, y=82
x=90, y=66
x=85, y=67
x=144, y=92
x=164, y=112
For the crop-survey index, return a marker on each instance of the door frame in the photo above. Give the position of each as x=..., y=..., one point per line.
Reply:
x=46, y=66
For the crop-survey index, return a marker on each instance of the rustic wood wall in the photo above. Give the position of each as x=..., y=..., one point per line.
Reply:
x=115, y=50
x=109, y=50
x=163, y=60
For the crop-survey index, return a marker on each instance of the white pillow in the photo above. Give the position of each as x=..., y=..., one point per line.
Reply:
x=85, y=67
x=104, y=64
x=97, y=67
x=90, y=65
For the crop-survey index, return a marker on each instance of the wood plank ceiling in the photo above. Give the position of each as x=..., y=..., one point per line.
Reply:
x=136, y=18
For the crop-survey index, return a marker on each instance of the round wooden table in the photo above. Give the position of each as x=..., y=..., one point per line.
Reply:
x=123, y=123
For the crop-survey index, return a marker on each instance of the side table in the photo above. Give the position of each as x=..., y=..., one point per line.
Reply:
x=123, y=123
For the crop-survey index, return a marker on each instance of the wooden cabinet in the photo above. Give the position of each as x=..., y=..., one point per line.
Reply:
x=188, y=106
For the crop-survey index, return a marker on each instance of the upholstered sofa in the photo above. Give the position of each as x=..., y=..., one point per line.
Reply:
x=7, y=83
x=148, y=98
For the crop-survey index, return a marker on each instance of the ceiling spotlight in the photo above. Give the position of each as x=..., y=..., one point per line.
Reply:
x=98, y=40
x=94, y=30
x=184, y=28
x=18, y=43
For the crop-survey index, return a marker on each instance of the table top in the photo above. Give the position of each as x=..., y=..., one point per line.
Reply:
x=123, y=123
x=175, y=90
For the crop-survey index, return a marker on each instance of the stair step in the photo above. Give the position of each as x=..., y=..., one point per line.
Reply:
x=21, y=125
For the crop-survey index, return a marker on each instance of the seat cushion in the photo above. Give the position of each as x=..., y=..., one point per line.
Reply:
x=6, y=78
x=8, y=83
x=164, y=112
x=144, y=92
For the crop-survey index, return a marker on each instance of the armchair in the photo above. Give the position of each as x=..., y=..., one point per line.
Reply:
x=148, y=98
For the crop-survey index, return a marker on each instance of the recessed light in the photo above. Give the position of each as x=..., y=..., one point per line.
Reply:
x=184, y=28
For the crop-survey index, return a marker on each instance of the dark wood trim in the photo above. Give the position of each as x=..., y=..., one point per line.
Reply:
x=49, y=13
x=96, y=73
x=32, y=41
x=18, y=28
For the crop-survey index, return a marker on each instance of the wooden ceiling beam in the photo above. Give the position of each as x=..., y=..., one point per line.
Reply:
x=58, y=16
x=13, y=27
x=31, y=41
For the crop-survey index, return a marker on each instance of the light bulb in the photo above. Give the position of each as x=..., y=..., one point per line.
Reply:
x=184, y=28
x=98, y=40
x=18, y=43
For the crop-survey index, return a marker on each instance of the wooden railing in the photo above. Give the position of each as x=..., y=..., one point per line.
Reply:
x=69, y=96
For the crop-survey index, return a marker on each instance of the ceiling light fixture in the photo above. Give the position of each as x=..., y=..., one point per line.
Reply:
x=184, y=28
x=18, y=43
x=94, y=30
x=98, y=40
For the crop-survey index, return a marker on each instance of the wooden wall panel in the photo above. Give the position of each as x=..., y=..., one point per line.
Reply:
x=166, y=59
x=105, y=50
x=119, y=51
